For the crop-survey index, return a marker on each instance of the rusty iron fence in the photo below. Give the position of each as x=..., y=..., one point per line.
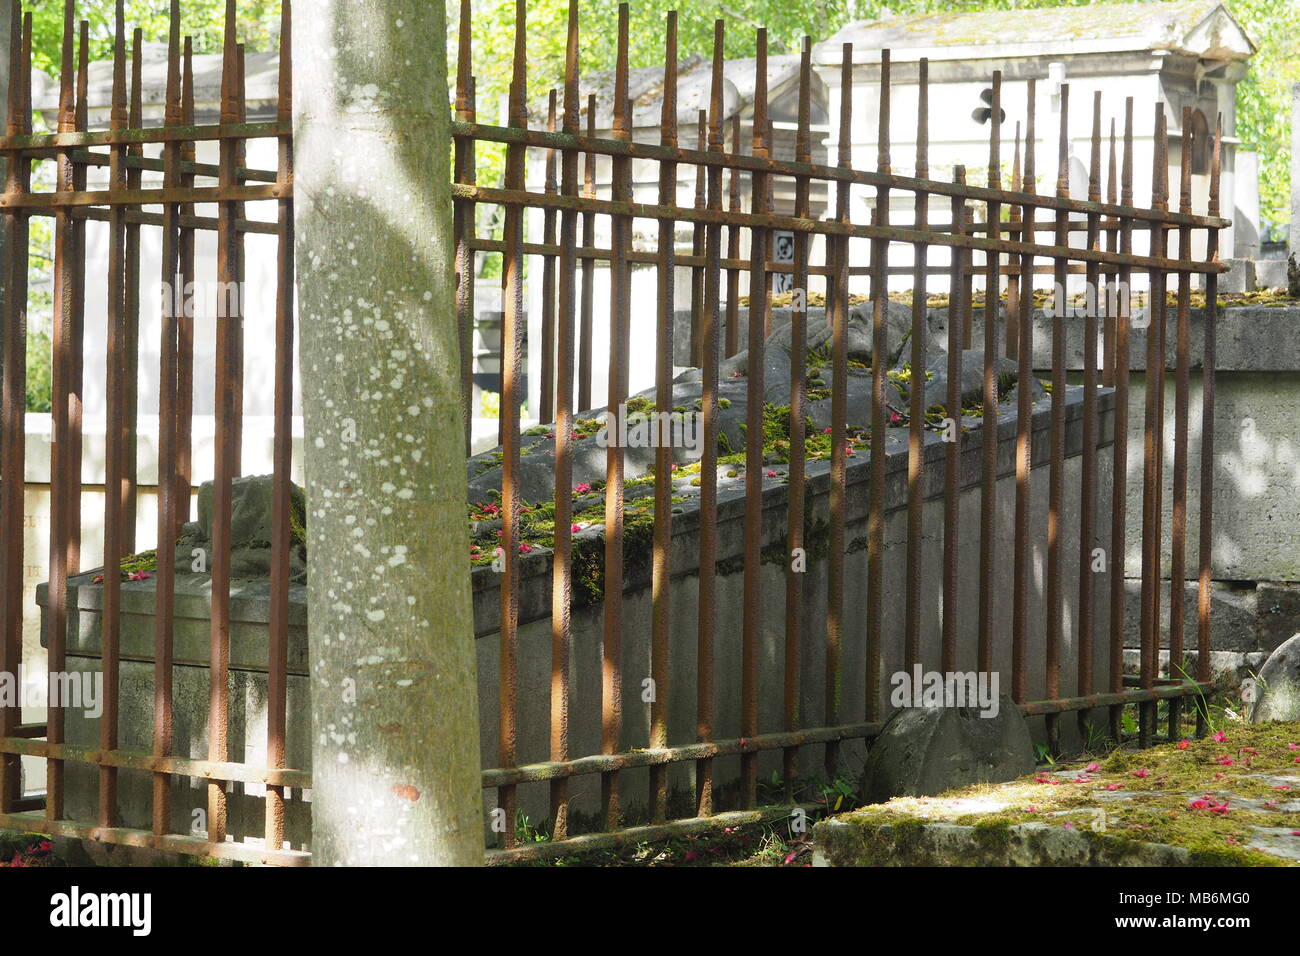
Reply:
x=1011, y=253
x=1091, y=237
x=143, y=192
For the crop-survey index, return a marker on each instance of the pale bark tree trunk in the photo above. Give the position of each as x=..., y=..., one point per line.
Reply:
x=394, y=701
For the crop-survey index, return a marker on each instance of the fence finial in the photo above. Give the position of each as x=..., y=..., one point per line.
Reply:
x=668, y=120
x=1094, y=159
x=172, y=110
x=15, y=68
x=622, y=105
x=882, y=154
x=1214, y=170
x=922, y=165
x=571, y=57
x=715, y=92
x=1063, y=145
x=67, y=103
x=518, y=105
x=118, y=115
x=464, y=63
x=761, y=146
x=995, y=133
x=1126, y=173
x=81, y=116
x=284, y=85
x=803, y=139
x=1185, y=164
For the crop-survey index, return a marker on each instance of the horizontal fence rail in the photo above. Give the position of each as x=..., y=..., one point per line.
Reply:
x=990, y=260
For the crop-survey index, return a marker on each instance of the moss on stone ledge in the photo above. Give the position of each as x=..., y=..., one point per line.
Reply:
x=1209, y=798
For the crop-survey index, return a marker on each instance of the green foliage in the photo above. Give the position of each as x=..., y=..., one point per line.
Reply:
x=258, y=26
x=39, y=352
x=1263, y=98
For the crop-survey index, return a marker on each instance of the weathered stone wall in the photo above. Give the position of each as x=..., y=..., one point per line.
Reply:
x=250, y=610
x=587, y=624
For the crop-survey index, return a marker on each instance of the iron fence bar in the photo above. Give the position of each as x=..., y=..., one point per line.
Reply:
x=838, y=255
x=228, y=407
x=139, y=136
x=144, y=839
x=13, y=399
x=1111, y=231
x=1088, y=455
x=650, y=258
x=1014, y=226
x=684, y=753
x=734, y=263
x=145, y=197
x=879, y=347
x=639, y=210
x=164, y=726
x=1152, y=448
x=619, y=330
x=562, y=568
x=989, y=429
x=134, y=218
x=632, y=836
x=663, y=478
x=185, y=320
x=546, y=404
x=873, y=178
x=1024, y=426
x=1123, y=308
x=588, y=267
x=1206, y=509
x=116, y=447
x=797, y=468
x=65, y=395
x=697, y=246
x=463, y=225
x=917, y=389
x=751, y=610
x=1182, y=383
x=709, y=341
x=952, y=453
x=189, y=167
x=226, y=772
x=512, y=333
x=1056, y=451
x=277, y=682
x=131, y=301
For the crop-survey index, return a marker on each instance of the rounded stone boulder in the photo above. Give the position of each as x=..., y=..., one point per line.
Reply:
x=924, y=751
x=1277, y=687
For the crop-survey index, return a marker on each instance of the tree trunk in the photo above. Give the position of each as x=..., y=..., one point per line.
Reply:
x=395, y=756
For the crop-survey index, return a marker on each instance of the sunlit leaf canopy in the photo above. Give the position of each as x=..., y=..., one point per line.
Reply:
x=1263, y=98
x=1263, y=120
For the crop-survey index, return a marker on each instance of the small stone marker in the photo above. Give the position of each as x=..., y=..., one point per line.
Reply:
x=927, y=750
x=1277, y=687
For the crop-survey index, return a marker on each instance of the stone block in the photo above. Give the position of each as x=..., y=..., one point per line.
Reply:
x=1240, y=276
x=1270, y=274
x=927, y=750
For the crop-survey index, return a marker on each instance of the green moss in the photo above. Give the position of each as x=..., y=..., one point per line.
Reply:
x=1161, y=784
